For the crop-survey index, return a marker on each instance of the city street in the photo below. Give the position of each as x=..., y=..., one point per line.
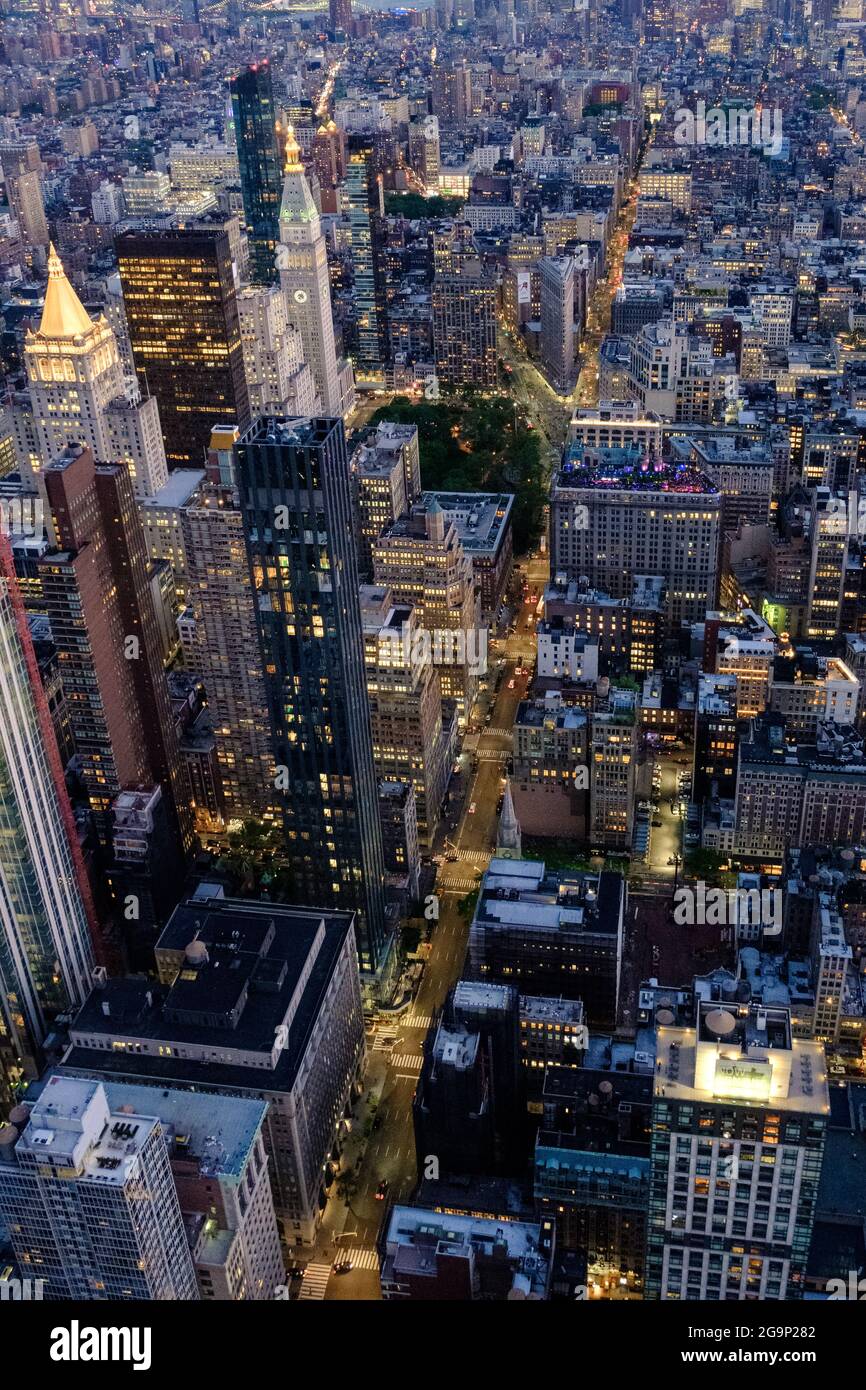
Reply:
x=350, y=1229
x=666, y=839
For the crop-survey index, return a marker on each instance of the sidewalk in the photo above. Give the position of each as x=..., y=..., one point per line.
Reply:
x=337, y=1216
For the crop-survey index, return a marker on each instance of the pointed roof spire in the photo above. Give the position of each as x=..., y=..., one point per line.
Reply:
x=64, y=315
x=508, y=836
x=294, y=163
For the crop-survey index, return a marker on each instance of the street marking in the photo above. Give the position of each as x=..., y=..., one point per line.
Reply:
x=406, y=1059
x=460, y=885
x=417, y=1021
x=315, y=1281
x=363, y=1259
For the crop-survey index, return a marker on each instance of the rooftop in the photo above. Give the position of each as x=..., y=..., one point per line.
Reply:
x=257, y=968
x=481, y=518
x=743, y=1055
x=630, y=470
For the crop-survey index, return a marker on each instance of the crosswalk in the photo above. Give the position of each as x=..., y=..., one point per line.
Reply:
x=473, y=856
x=406, y=1061
x=362, y=1259
x=490, y=755
x=460, y=885
x=500, y=733
x=416, y=1021
x=315, y=1281
x=382, y=1044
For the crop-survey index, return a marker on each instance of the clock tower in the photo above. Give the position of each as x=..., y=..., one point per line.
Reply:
x=303, y=265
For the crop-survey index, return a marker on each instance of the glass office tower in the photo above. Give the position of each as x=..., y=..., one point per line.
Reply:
x=181, y=306
x=293, y=477
x=259, y=157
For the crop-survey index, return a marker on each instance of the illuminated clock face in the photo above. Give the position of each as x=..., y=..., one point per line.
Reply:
x=300, y=296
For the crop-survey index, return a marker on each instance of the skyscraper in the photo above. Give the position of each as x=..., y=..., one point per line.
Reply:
x=255, y=123
x=226, y=651
x=279, y=380
x=303, y=262
x=740, y=1113
x=329, y=161
x=291, y=1032
x=405, y=704
x=424, y=150
x=78, y=392
x=22, y=168
x=364, y=204
x=452, y=92
x=464, y=325
x=103, y=624
x=340, y=14
x=90, y=1201
x=558, y=354
x=47, y=919
x=181, y=307
x=293, y=477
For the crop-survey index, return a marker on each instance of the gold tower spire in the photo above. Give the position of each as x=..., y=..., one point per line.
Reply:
x=294, y=164
x=64, y=315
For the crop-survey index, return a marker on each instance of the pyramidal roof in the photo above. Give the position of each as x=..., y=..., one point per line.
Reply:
x=64, y=315
x=298, y=206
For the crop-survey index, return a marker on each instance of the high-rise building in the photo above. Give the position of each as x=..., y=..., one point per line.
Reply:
x=613, y=755
x=452, y=92
x=740, y=1112
x=829, y=533
x=98, y=599
x=255, y=124
x=363, y=201
x=340, y=15
x=422, y=561
x=558, y=342
x=219, y=1167
x=614, y=516
x=181, y=307
x=424, y=150
x=405, y=704
x=89, y=1199
x=464, y=325
x=254, y=999
x=557, y=933
x=293, y=478
x=48, y=926
x=279, y=380
x=329, y=162
x=468, y=1097
x=79, y=394
x=386, y=480
x=22, y=168
x=225, y=651
x=303, y=263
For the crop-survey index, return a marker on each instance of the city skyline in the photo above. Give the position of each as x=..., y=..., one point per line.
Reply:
x=433, y=665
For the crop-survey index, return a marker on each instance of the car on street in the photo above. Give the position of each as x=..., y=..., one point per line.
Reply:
x=657, y=820
x=342, y=1266
x=473, y=808
x=381, y=1190
x=511, y=685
